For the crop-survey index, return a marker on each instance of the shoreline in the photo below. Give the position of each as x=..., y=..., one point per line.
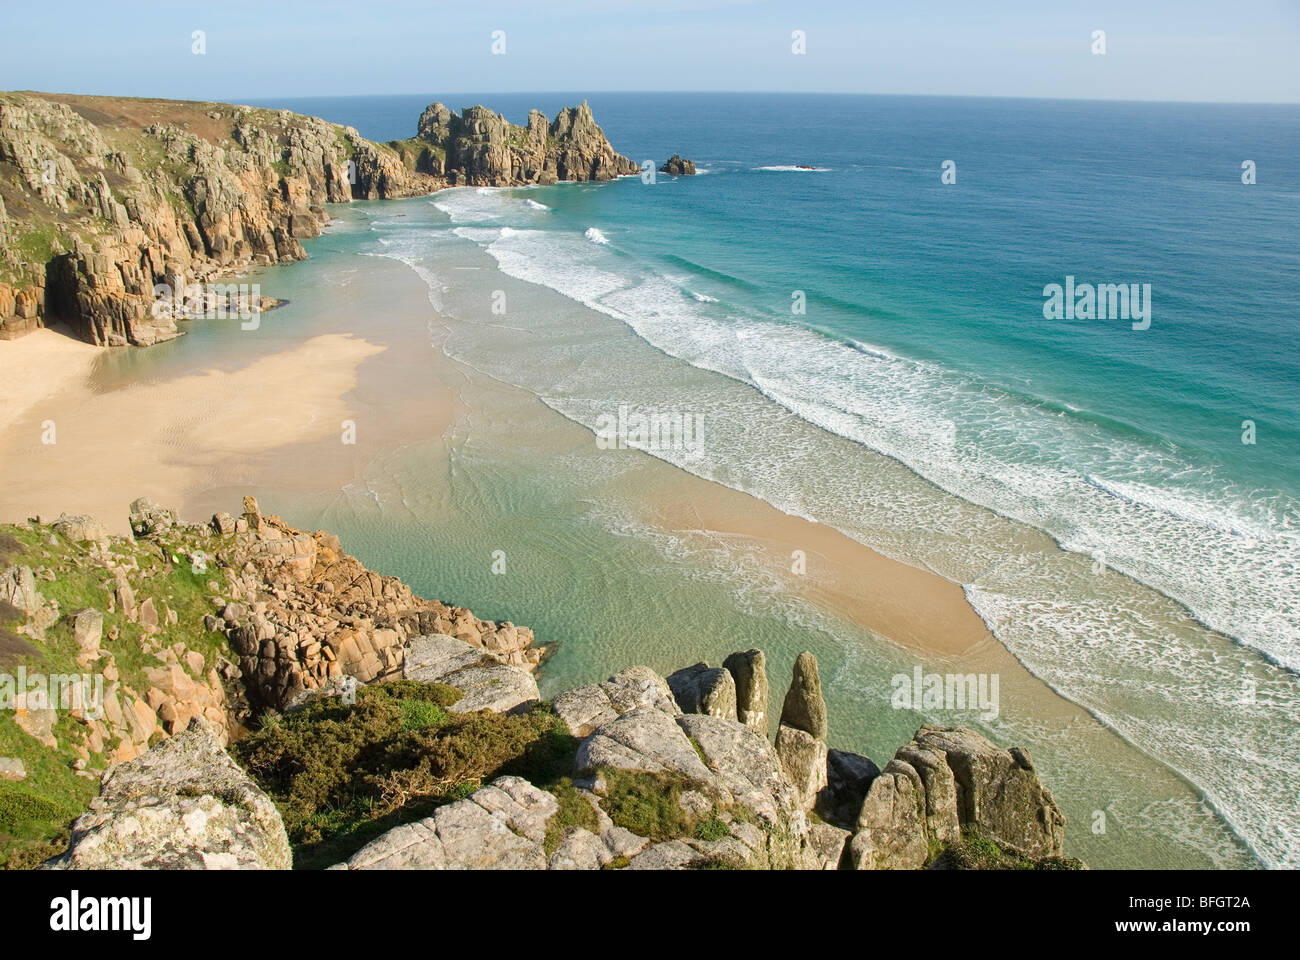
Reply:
x=307, y=465
x=193, y=453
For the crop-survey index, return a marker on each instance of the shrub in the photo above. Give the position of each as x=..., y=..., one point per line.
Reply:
x=19, y=806
x=648, y=804
x=712, y=829
x=341, y=774
x=418, y=714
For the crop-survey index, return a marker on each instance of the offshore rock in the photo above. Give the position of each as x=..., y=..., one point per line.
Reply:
x=678, y=167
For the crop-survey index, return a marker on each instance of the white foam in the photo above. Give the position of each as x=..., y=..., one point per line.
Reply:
x=792, y=168
x=1221, y=551
x=595, y=236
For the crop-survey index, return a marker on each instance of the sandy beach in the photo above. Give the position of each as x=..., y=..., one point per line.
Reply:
x=236, y=416
x=198, y=440
x=40, y=365
x=157, y=439
x=914, y=608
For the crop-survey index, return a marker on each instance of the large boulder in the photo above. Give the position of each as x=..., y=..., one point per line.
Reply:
x=727, y=767
x=745, y=763
x=148, y=518
x=749, y=671
x=939, y=787
x=585, y=708
x=88, y=631
x=11, y=768
x=81, y=528
x=485, y=682
x=644, y=739
x=184, y=805
x=997, y=792
x=948, y=782
x=18, y=588
x=891, y=827
x=500, y=827
x=804, y=709
x=704, y=689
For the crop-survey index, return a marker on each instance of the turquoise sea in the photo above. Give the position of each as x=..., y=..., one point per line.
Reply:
x=1085, y=482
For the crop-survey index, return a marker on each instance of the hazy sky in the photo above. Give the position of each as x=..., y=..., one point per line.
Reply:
x=1155, y=49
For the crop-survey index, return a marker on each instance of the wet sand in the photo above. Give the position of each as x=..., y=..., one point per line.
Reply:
x=914, y=608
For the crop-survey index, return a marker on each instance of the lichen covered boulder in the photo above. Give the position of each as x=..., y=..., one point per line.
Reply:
x=704, y=689
x=997, y=792
x=585, y=708
x=184, y=805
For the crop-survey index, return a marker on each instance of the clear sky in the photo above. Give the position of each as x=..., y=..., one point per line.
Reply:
x=1234, y=50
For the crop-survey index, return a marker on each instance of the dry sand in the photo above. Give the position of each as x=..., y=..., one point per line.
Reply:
x=156, y=438
x=38, y=366
x=193, y=441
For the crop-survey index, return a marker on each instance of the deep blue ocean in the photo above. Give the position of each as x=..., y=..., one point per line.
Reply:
x=820, y=258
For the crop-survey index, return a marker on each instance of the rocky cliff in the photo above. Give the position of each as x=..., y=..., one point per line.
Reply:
x=222, y=620
x=102, y=199
x=348, y=704
x=480, y=148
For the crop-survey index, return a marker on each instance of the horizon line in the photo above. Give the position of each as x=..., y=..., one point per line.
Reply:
x=762, y=93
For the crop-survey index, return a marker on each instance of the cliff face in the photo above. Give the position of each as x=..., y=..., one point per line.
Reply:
x=480, y=148
x=219, y=621
x=244, y=632
x=103, y=198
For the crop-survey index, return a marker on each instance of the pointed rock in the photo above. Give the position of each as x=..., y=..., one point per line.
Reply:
x=804, y=709
x=749, y=670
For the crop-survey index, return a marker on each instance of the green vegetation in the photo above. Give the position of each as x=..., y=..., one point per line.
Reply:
x=37, y=242
x=575, y=811
x=342, y=775
x=419, y=155
x=650, y=805
x=418, y=714
x=716, y=862
x=53, y=794
x=713, y=828
x=974, y=851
